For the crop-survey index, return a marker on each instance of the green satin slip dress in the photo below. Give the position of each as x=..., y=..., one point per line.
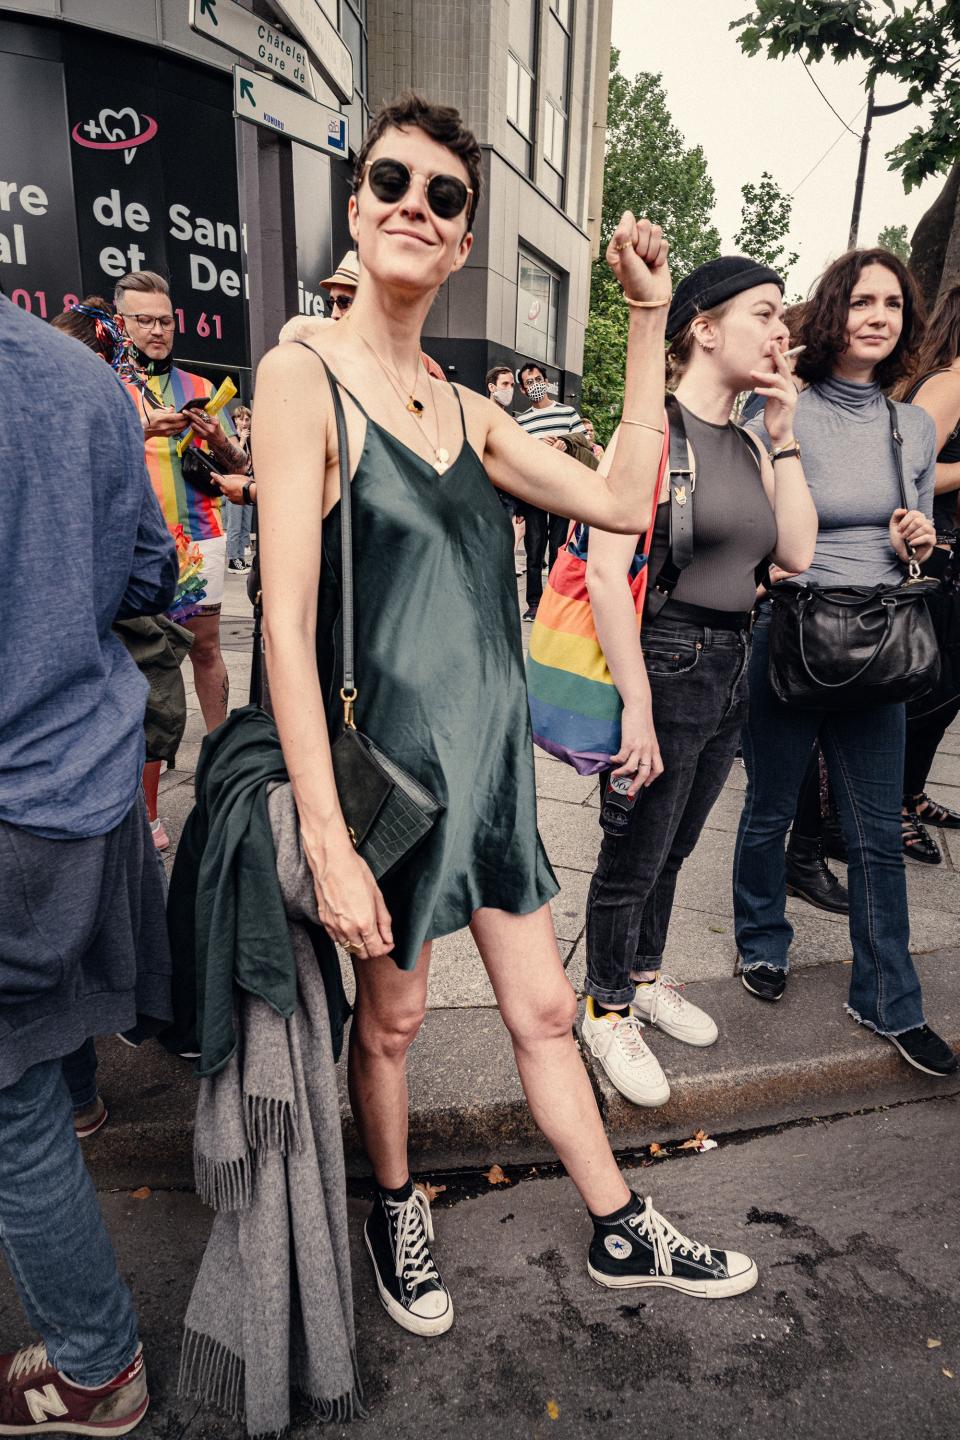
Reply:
x=440, y=680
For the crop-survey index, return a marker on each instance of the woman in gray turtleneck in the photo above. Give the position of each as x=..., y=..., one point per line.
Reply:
x=860, y=330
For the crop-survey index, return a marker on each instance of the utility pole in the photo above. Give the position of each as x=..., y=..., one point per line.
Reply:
x=872, y=110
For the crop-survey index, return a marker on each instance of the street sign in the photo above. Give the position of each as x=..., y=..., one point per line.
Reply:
x=264, y=102
x=236, y=29
x=323, y=41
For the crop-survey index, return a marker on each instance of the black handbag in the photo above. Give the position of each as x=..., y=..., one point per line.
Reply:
x=847, y=648
x=388, y=813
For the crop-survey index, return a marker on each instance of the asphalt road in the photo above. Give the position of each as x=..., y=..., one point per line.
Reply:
x=855, y=1224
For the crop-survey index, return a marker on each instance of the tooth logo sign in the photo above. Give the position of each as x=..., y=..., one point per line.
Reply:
x=116, y=130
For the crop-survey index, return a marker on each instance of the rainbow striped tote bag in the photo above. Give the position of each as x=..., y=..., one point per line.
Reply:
x=574, y=705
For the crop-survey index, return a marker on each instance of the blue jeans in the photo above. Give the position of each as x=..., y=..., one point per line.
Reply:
x=53, y=1234
x=698, y=685
x=238, y=529
x=864, y=754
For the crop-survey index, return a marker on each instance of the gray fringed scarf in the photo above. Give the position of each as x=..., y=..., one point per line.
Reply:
x=272, y=1306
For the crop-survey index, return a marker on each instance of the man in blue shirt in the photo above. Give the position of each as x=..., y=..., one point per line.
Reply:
x=83, y=945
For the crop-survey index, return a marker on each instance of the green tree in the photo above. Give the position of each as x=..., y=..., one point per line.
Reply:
x=650, y=170
x=765, y=224
x=916, y=44
x=894, y=237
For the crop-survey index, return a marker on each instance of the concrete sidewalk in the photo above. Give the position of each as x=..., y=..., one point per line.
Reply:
x=803, y=1057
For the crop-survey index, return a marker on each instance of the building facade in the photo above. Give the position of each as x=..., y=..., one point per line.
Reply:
x=119, y=149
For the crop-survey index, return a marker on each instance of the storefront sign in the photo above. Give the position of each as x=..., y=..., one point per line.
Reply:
x=331, y=54
x=254, y=39
x=273, y=106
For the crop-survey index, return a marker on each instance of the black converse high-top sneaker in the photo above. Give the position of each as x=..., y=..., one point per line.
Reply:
x=638, y=1246
x=411, y=1290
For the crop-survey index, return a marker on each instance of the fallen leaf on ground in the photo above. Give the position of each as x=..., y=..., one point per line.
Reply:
x=949, y=1374
x=934, y=1344
x=695, y=1142
x=717, y=929
x=431, y=1191
x=553, y=1410
x=495, y=1176
x=142, y=1194
x=658, y=1152
x=709, y=1145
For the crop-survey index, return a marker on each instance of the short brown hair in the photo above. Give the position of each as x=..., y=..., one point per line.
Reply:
x=823, y=329
x=494, y=375
x=441, y=122
x=139, y=282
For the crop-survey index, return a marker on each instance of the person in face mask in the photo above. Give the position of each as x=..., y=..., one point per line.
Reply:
x=500, y=385
x=552, y=422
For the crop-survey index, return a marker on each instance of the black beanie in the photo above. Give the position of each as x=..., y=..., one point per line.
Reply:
x=714, y=282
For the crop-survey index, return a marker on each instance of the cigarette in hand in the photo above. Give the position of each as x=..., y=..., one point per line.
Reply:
x=795, y=351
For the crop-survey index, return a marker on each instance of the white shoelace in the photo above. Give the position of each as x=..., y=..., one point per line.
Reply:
x=628, y=1032
x=666, y=996
x=666, y=1239
x=33, y=1357
x=414, y=1228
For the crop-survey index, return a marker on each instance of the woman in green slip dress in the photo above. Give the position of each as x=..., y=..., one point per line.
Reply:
x=440, y=680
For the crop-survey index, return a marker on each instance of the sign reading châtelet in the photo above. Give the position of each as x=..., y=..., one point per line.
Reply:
x=323, y=41
x=236, y=29
x=264, y=102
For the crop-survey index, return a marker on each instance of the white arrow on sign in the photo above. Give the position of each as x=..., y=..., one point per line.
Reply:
x=236, y=29
x=323, y=41
x=264, y=102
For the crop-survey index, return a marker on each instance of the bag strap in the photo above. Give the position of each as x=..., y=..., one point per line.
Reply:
x=348, y=690
x=683, y=483
x=897, y=441
x=761, y=571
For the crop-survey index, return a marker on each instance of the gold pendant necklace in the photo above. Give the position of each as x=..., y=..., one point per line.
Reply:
x=411, y=403
x=441, y=455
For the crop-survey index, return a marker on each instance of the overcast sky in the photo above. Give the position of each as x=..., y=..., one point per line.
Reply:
x=751, y=115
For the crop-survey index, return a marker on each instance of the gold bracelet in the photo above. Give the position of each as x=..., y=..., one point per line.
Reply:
x=657, y=429
x=646, y=304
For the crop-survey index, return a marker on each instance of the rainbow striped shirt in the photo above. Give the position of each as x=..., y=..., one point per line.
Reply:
x=181, y=505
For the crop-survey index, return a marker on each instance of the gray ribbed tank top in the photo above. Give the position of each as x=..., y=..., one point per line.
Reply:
x=733, y=522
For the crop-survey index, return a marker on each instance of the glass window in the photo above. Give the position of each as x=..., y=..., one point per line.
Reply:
x=353, y=30
x=519, y=95
x=538, y=310
x=554, y=136
x=522, y=32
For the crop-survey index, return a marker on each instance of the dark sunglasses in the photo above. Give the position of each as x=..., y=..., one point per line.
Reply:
x=342, y=302
x=390, y=180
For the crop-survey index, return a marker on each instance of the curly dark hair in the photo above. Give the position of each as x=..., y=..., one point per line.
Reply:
x=941, y=344
x=823, y=329
x=441, y=122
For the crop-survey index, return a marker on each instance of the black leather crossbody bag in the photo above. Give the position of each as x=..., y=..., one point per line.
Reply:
x=847, y=648
x=388, y=812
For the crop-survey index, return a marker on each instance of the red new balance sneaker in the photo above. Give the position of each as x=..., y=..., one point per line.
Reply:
x=36, y=1399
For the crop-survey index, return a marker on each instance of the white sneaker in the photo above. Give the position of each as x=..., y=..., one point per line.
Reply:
x=617, y=1042
x=661, y=1004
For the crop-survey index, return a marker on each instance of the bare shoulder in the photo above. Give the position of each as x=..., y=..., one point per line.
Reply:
x=481, y=414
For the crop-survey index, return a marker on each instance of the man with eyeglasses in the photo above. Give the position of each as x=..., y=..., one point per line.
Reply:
x=341, y=286
x=144, y=310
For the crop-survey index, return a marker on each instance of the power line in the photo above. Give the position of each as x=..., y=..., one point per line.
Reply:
x=824, y=98
x=828, y=150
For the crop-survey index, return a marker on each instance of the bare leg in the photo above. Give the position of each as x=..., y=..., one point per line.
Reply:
x=209, y=670
x=389, y=1011
x=538, y=1007
x=151, y=785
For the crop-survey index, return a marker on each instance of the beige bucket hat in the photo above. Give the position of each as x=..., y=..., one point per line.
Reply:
x=346, y=273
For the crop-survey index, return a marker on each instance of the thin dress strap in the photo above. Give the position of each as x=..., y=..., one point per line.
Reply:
x=463, y=418
x=349, y=393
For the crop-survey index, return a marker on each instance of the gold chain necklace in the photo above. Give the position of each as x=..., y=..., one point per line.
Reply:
x=414, y=405
x=441, y=455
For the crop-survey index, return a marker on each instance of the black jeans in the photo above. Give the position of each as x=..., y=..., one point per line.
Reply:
x=698, y=680
x=541, y=533
x=924, y=734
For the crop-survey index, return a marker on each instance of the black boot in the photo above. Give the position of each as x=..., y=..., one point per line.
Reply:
x=834, y=844
x=809, y=879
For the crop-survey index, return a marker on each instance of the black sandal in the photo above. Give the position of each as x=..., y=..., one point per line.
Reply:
x=931, y=812
x=917, y=843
